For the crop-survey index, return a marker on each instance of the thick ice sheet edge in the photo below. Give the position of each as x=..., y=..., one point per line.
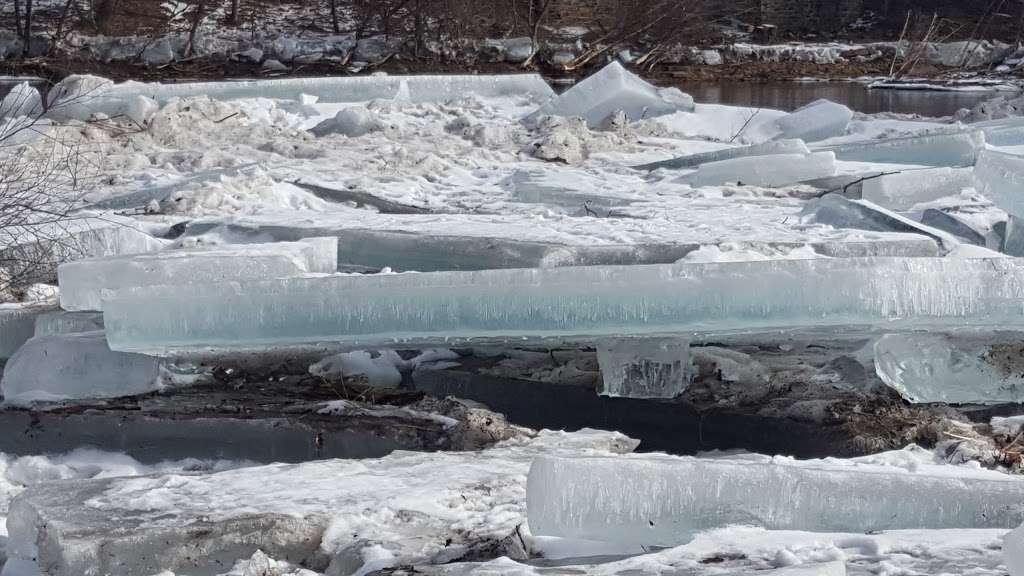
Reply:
x=1000, y=177
x=117, y=99
x=665, y=501
x=84, y=283
x=771, y=148
x=952, y=149
x=570, y=303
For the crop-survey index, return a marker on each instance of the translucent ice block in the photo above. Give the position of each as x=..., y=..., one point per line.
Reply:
x=816, y=121
x=764, y=149
x=904, y=190
x=1002, y=132
x=575, y=304
x=62, y=322
x=76, y=366
x=1013, y=552
x=950, y=368
x=665, y=500
x=767, y=171
x=83, y=282
x=609, y=90
x=1000, y=177
x=956, y=149
x=644, y=367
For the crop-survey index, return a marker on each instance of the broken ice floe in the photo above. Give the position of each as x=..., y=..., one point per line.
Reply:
x=767, y=171
x=794, y=146
x=409, y=507
x=17, y=325
x=955, y=149
x=76, y=365
x=664, y=501
x=954, y=368
x=610, y=90
x=904, y=190
x=83, y=282
x=841, y=212
x=572, y=304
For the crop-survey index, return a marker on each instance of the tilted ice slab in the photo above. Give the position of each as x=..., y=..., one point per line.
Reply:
x=83, y=282
x=576, y=304
x=118, y=98
x=1000, y=177
x=609, y=90
x=410, y=507
x=794, y=146
x=77, y=365
x=904, y=190
x=816, y=121
x=765, y=171
x=665, y=500
x=36, y=252
x=974, y=368
x=954, y=149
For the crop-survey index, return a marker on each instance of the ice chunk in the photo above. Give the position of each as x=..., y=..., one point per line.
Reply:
x=644, y=367
x=766, y=171
x=22, y=100
x=17, y=325
x=951, y=368
x=337, y=89
x=763, y=149
x=575, y=304
x=665, y=500
x=76, y=366
x=824, y=569
x=352, y=122
x=1013, y=237
x=83, y=282
x=609, y=90
x=61, y=322
x=950, y=223
x=1002, y=132
x=904, y=190
x=956, y=149
x=1000, y=177
x=1013, y=552
x=816, y=121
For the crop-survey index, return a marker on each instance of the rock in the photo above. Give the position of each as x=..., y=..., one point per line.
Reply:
x=272, y=65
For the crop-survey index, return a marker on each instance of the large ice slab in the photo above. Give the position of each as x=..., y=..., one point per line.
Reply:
x=1000, y=177
x=1013, y=552
x=952, y=368
x=816, y=121
x=1002, y=132
x=78, y=365
x=644, y=367
x=609, y=90
x=951, y=149
x=904, y=190
x=574, y=304
x=767, y=171
x=83, y=282
x=335, y=515
x=841, y=212
x=792, y=146
x=665, y=500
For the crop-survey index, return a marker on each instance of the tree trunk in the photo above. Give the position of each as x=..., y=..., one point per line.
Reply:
x=197, y=19
x=17, y=18
x=334, y=17
x=418, y=20
x=234, y=13
x=28, y=26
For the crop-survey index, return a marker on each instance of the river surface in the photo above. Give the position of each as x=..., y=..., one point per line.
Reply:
x=792, y=95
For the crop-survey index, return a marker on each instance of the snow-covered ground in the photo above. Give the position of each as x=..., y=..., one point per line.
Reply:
x=415, y=182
